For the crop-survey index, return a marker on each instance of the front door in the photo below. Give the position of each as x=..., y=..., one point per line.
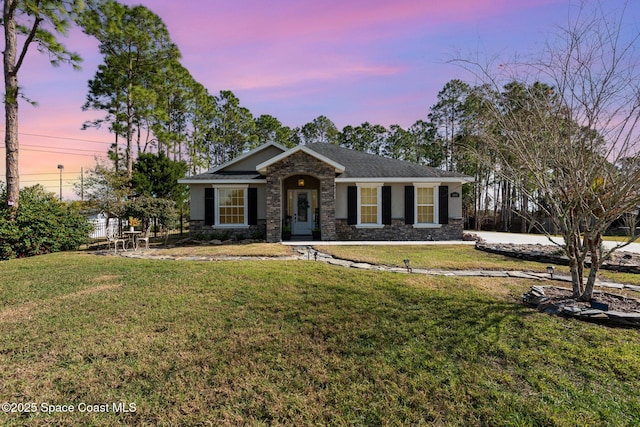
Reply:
x=302, y=220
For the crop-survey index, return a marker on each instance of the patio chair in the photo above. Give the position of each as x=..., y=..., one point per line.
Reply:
x=144, y=237
x=113, y=237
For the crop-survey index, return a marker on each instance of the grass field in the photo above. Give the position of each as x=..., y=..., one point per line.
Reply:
x=454, y=258
x=297, y=343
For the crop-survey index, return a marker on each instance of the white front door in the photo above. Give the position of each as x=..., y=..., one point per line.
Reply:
x=302, y=218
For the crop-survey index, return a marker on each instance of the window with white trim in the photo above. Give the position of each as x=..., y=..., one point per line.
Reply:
x=426, y=212
x=231, y=206
x=369, y=205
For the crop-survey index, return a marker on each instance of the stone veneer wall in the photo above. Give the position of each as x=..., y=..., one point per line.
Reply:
x=300, y=163
x=399, y=231
x=197, y=228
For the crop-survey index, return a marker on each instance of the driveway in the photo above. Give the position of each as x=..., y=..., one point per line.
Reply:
x=532, y=239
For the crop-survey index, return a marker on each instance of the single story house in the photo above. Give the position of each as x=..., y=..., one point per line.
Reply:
x=344, y=194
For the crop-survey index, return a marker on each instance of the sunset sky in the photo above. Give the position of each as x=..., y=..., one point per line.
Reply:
x=353, y=61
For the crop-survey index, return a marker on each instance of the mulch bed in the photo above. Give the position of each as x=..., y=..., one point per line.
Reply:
x=615, y=302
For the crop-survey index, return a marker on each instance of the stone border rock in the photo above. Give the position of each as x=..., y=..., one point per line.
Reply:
x=536, y=298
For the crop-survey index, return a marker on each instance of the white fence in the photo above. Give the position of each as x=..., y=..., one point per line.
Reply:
x=100, y=227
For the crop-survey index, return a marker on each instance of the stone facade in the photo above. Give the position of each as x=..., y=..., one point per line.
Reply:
x=399, y=231
x=300, y=163
x=198, y=229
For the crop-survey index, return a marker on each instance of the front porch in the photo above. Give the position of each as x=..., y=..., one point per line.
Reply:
x=300, y=195
x=302, y=208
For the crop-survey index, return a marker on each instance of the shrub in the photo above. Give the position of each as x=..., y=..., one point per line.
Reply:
x=42, y=225
x=147, y=209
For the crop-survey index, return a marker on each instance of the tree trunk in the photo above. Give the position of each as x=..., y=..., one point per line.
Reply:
x=591, y=281
x=524, y=226
x=11, y=107
x=128, y=152
x=594, y=248
x=574, y=266
x=117, y=155
x=477, y=195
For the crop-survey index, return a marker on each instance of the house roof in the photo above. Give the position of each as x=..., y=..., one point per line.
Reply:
x=358, y=164
x=350, y=166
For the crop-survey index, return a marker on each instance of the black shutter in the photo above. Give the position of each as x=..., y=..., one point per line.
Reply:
x=352, y=205
x=209, y=206
x=252, y=206
x=386, y=205
x=443, y=204
x=409, y=204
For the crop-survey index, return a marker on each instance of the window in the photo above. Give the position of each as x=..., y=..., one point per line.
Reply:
x=231, y=206
x=425, y=205
x=369, y=205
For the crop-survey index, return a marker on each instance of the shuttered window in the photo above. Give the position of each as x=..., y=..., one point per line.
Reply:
x=369, y=205
x=430, y=205
x=231, y=206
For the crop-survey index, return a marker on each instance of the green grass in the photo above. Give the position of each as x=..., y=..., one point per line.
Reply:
x=452, y=257
x=299, y=343
x=248, y=250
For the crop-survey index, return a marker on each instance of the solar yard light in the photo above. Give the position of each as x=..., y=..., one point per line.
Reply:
x=550, y=270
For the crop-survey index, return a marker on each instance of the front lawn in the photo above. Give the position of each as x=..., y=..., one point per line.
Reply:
x=455, y=257
x=297, y=343
x=445, y=257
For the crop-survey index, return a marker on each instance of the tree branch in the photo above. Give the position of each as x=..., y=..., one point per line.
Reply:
x=27, y=42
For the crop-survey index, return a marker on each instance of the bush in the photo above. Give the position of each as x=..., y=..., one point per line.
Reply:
x=147, y=209
x=42, y=225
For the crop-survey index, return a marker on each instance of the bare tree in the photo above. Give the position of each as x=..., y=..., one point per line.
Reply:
x=571, y=144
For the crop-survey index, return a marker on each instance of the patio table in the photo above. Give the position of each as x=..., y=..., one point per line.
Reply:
x=132, y=238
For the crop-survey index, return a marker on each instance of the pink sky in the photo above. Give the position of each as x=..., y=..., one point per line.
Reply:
x=353, y=61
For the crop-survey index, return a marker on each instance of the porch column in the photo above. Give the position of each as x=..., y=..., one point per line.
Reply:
x=274, y=207
x=328, y=208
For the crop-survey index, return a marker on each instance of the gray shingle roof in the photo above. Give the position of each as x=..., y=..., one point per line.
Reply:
x=357, y=165
x=363, y=165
